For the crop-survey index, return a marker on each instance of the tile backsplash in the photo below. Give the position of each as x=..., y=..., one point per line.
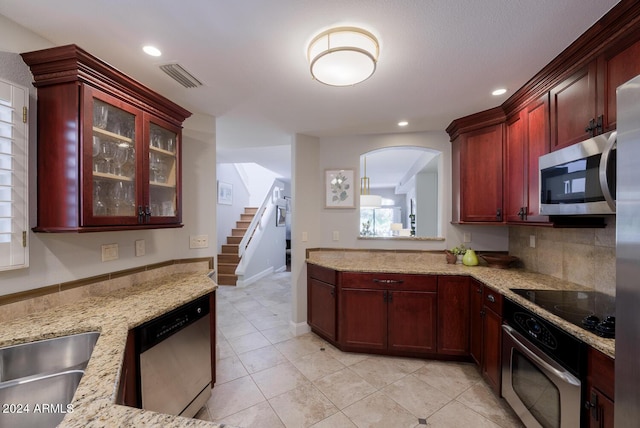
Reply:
x=582, y=256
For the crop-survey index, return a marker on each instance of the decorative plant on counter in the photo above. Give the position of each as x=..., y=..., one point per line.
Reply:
x=455, y=253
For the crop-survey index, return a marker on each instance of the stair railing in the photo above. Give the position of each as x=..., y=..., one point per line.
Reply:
x=256, y=221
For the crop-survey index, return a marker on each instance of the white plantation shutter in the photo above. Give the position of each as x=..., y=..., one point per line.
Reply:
x=14, y=196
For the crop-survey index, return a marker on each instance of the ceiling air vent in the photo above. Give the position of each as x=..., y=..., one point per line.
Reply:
x=180, y=75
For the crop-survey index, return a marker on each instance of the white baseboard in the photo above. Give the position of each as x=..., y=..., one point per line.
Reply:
x=244, y=282
x=298, y=329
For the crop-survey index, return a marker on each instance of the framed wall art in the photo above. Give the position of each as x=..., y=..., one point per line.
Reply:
x=225, y=193
x=339, y=188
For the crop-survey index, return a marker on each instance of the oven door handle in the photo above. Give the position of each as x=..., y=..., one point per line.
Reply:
x=555, y=369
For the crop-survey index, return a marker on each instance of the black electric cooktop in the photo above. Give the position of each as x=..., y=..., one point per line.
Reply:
x=590, y=310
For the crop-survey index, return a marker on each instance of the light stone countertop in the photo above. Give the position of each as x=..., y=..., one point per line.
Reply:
x=501, y=280
x=113, y=315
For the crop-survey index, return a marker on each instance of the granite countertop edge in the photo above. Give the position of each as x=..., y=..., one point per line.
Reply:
x=429, y=263
x=113, y=315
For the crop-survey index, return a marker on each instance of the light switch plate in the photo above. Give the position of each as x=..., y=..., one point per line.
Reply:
x=109, y=252
x=305, y=236
x=140, y=248
x=466, y=238
x=336, y=235
x=532, y=241
x=198, y=241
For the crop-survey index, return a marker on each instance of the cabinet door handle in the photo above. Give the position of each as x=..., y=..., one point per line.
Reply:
x=140, y=214
x=479, y=290
x=388, y=281
x=592, y=406
x=491, y=298
x=591, y=128
x=499, y=214
x=384, y=296
x=147, y=212
x=389, y=296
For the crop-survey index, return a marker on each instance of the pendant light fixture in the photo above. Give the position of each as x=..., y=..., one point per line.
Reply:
x=343, y=56
x=367, y=200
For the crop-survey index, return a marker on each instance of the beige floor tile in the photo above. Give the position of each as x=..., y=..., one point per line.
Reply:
x=258, y=416
x=259, y=313
x=203, y=415
x=228, y=369
x=316, y=365
x=248, y=342
x=268, y=322
x=450, y=378
x=337, y=420
x=418, y=397
x=261, y=359
x=279, y=379
x=346, y=358
x=302, y=407
x=300, y=346
x=344, y=387
x=232, y=397
x=378, y=410
x=380, y=371
x=277, y=334
x=236, y=330
x=224, y=349
x=457, y=415
x=481, y=399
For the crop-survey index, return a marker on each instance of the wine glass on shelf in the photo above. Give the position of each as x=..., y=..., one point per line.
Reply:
x=96, y=153
x=120, y=157
x=154, y=166
x=99, y=208
x=108, y=150
x=100, y=115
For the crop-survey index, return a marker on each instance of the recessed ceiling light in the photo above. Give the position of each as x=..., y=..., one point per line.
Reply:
x=499, y=91
x=151, y=50
x=403, y=123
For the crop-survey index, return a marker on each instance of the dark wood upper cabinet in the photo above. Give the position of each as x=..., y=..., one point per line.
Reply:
x=573, y=108
x=481, y=175
x=109, y=149
x=527, y=138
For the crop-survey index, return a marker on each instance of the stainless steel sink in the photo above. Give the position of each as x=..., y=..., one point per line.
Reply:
x=38, y=401
x=46, y=356
x=38, y=379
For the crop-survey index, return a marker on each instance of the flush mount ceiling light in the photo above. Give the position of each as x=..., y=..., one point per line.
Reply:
x=343, y=56
x=499, y=92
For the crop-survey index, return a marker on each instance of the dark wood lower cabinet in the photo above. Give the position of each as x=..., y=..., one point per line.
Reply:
x=411, y=321
x=453, y=315
x=491, y=346
x=475, y=321
x=363, y=319
x=600, y=389
x=322, y=308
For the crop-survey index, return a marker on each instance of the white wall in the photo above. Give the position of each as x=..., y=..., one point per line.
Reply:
x=62, y=257
x=228, y=215
x=311, y=156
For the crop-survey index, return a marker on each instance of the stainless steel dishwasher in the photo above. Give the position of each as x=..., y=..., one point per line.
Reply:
x=175, y=360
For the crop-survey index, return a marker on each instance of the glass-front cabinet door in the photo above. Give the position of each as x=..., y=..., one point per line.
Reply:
x=112, y=161
x=131, y=165
x=162, y=145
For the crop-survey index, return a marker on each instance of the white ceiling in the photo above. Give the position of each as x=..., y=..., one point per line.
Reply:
x=439, y=59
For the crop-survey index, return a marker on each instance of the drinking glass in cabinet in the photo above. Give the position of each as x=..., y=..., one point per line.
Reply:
x=100, y=114
x=99, y=207
x=96, y=153
x=120, y=157
x=108, y=151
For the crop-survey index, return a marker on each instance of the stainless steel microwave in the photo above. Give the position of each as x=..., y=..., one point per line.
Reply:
x=580, y=179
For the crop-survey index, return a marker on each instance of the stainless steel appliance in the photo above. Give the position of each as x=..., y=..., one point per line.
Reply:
x=542, y=370
x=580, y=179
x=175, y=360
x=627, y=364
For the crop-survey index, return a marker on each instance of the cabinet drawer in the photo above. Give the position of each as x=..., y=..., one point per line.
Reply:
x=321, y=273
x=493, y=300
x=390, y=281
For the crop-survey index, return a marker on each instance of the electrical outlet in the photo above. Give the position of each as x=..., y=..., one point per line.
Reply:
x=109, y=252
x=305, y=236
x=198, y=241
x=140, y=248
x=466, y=237
x=532, y=241
x=336, y=235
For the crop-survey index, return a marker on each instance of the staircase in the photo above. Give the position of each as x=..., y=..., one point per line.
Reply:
x=228, y=259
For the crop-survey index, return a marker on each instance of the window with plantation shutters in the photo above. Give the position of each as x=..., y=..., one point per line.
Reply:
x=14, y=195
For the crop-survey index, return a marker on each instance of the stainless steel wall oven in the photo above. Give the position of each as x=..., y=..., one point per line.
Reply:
x=542, y=370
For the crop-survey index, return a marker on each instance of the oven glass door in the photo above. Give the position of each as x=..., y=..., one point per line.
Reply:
x=540, y=391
